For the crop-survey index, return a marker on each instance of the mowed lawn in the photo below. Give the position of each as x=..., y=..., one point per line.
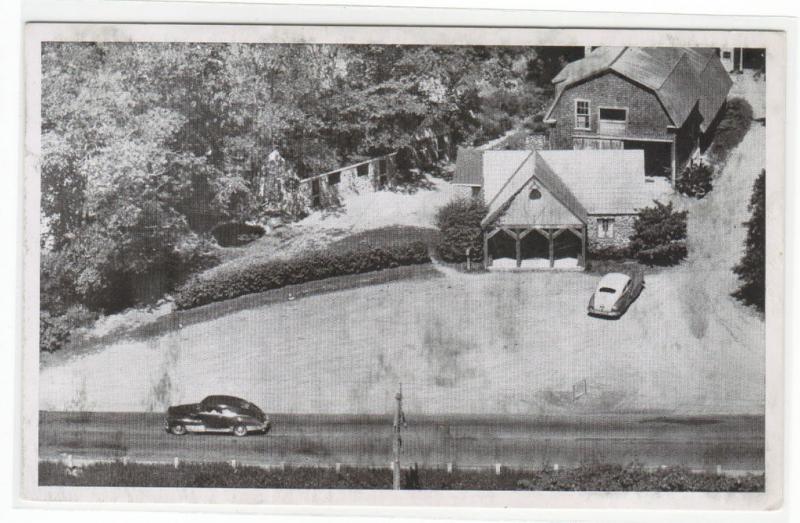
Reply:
x=474, y=344
x=480, y=344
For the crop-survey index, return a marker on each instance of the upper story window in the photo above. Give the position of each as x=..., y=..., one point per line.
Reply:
x=613, y=114
x=582, y=112
x=334, y=178
x=612, y=120
x=363, y=169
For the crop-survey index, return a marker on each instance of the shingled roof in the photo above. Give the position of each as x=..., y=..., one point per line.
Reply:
x=469, y=167
x=679, y=76
x=586, y=182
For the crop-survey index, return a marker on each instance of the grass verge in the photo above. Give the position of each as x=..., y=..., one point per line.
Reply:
x=630, y=478
x=179, y=319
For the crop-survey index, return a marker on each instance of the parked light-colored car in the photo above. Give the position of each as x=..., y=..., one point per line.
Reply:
x=615, y=293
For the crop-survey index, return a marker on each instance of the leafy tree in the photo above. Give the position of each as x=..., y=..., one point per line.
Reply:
x=751, y=268
x=659, y=235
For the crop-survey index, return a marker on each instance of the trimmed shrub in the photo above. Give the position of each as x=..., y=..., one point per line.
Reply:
x=460, y=224
x=751, y=269
x=236, y=234
x=311, y=266
x=730, y=130
x=659, y=235
x=610, y=252
x=695, y=180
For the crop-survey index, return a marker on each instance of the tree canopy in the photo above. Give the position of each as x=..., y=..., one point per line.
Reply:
x=147, y=145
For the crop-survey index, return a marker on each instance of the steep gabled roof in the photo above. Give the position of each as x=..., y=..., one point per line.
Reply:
x=585, y=182
x=533, y=168
x=681, y=77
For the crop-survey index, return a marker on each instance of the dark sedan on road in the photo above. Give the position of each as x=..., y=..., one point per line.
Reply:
x=220, y=414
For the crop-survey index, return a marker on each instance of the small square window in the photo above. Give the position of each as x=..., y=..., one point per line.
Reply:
x=726, y=55
x=334, y=178
x=605, y=228
x=363, y=169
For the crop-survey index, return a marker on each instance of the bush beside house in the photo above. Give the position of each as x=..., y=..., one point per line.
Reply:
x=460, y=224
x=659, y=236
x=752, y=267
x=315, y=265
x=730, y=130
x=695, y=180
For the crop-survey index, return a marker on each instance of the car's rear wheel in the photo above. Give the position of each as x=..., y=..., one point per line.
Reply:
x=178, y=430
x=240, y=430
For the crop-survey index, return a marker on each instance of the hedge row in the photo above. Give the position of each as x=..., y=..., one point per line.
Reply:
x=311, y=266
x=598, y=477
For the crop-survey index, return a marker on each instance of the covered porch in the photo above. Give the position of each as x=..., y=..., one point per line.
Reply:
x=534, y=246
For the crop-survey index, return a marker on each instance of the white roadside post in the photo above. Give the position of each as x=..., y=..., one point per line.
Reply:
x=397, y=442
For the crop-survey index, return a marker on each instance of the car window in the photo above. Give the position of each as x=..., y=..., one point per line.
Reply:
x=607, y=289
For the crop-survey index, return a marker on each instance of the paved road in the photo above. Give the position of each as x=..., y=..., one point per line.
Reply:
x=734, y=442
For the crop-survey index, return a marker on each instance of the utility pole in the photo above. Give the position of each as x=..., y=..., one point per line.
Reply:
x=399, y=422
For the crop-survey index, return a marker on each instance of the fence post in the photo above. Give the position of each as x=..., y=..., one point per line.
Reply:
x=176, y=462
x=497, y=468
x=338, y=468
x=449, y=468
x=69, y=461
x=719, y=470
x=233, y=464
x=124, y=461
x=555, y=467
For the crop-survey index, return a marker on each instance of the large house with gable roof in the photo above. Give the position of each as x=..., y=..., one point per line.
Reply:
x=662, y=100
x=547, y=208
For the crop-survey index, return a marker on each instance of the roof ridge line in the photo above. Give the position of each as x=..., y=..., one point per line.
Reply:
x=611, y=64
x=672, y=69
x=489, y=203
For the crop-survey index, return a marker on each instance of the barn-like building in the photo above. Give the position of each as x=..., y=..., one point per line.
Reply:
x=662, y=100
x=546, y=208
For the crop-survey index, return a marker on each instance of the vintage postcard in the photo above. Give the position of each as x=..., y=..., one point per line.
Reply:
x=289, y=265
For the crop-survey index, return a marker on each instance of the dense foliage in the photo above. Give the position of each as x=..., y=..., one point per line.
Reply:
x=145, y=146
x=459, y=222
x=232, y=234
x=310, y=266
x=730, y=131
x=599, y=477
x=695, y=180
x=751, y=269
x=659, y=235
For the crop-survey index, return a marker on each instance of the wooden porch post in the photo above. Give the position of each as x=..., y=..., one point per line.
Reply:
x=583, y=244
x=519, y=250
x=673, y=153
x=552, y=251
x=485, y=250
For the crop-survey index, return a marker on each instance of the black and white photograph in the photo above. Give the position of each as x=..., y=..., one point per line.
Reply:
x=345, y=262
